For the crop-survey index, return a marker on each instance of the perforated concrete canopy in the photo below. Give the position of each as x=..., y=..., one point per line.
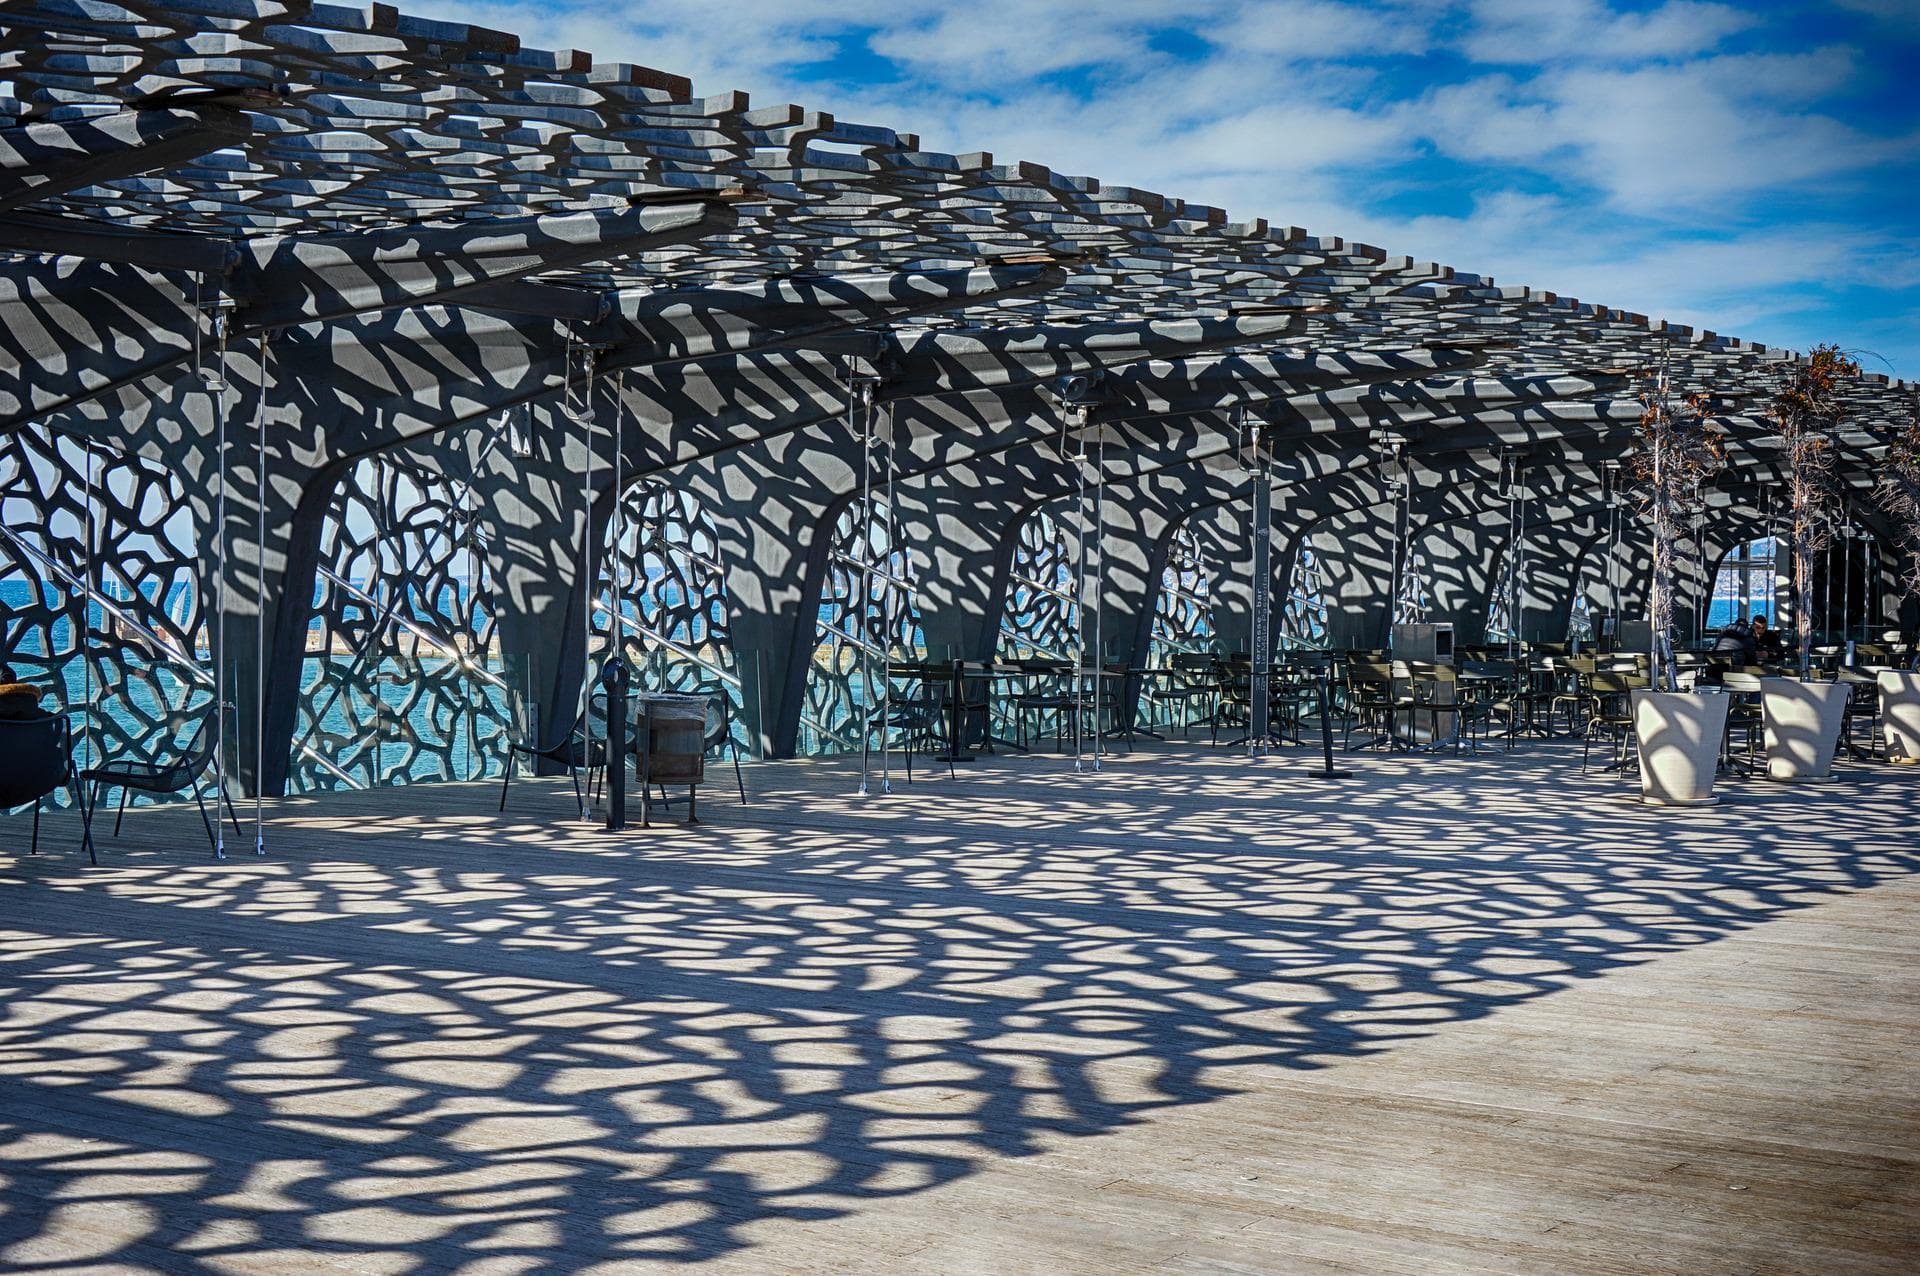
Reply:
x=323, y=120
x=380, y=247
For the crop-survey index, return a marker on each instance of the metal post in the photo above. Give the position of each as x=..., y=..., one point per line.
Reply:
x=888, y=614
x=1393, y=496
x=614, y=678
x=84, y=639
x=617, y=541
x=1613, y=545
x=860, y=404
x=1519, y=555
x=220, y=618
x=589, y=580
x=260, y=605
x=464, y=630
x=1508, y=488
x=1077, y=421
x=1846, y=586
x=1260, y=510
x=1099, y=583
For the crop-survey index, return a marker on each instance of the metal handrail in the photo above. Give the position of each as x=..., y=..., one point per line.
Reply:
x=109, y=605
x=628, y=623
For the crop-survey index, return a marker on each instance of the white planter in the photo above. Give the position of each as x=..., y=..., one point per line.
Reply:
x=1803, y=726
x=1679, y=735
x=1900, y=714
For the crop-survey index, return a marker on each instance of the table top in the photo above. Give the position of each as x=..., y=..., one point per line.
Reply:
x=964, y=668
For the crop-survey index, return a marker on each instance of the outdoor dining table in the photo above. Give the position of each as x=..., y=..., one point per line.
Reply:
x=956, y=674
x=1143, y=673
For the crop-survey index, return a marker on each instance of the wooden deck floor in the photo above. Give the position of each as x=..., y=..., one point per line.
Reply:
x=1192, y=1014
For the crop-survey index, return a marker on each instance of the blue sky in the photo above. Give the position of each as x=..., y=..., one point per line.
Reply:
x=1750, y=168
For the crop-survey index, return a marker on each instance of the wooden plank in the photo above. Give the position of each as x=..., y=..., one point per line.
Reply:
x=1156, y=1020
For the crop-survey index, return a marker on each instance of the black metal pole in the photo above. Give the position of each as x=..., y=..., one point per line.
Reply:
x=1326, y=772
x=615, y=679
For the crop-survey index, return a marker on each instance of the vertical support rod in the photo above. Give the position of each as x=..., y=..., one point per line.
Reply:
x=1077, y=419
x=84, y=638
x=1099, y=586
x=260, y=602
x=889, y=617
x=860, y=403
x=1260, y=640
x=220, y=618
x=589, y=581
x=616, y=675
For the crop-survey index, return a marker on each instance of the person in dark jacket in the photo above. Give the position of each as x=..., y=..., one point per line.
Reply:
x=1767, y=646
x=1736, y=640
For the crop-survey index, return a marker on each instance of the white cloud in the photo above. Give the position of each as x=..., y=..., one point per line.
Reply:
x=1660, y=138
x=1534, y=31
x=992, y=43
x=1902, y=15
x=1635, y=157
x=1317, y=29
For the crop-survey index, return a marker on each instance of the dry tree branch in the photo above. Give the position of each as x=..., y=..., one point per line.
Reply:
x=1674, y=454
x=1897, y=493
x=1805, y=410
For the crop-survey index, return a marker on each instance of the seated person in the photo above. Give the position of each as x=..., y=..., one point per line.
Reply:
x=1768, y=648
x=1736, y=640
x=18, y=700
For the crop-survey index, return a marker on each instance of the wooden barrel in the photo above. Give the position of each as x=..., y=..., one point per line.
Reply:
x=677, y=738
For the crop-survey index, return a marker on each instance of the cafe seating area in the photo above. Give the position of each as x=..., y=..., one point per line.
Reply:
x=1499, y=697
x=689, y=683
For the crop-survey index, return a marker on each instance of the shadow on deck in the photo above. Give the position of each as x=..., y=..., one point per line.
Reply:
x=419, y=1035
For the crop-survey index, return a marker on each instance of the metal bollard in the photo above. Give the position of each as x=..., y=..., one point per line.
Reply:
x=616, y=680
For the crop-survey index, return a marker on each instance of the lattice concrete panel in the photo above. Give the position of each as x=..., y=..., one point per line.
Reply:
x=1183, y=607
x=1303, y=614
x=1042, y=616
x=401, y=680
x=867, y=614
x=99, y=604
x=672, y=596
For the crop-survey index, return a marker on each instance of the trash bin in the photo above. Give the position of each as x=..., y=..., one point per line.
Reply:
x=671, y=733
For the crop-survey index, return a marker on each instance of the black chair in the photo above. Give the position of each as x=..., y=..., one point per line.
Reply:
x=1046, y=687
x=1491, y=688
x=1574, y=696
x=720, y=732
x=1232, y=705
x=168, y=773
x=1611, y=715
x=36, y=757
x=1190, y=679
x=1863, y=706
x=578, y=748
x=916, y=717
x=1746, y=713
x=1371, y=702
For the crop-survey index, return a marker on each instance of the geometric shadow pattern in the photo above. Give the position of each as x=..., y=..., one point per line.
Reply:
x=469, y=1042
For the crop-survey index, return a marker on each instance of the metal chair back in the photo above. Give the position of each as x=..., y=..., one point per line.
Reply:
x=34, y=756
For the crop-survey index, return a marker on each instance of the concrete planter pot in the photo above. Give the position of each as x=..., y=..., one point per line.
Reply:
x=1803, y=727
x=1679, y=735
x=1900, y=714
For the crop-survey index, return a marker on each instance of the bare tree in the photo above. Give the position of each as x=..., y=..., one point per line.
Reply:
x=1674, y=454
x=1898, y=494
x=1805, y=411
